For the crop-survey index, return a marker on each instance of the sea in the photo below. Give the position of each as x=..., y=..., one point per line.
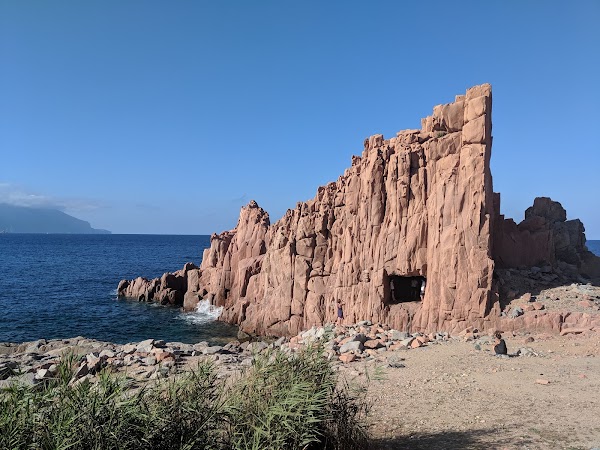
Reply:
x=57, y=286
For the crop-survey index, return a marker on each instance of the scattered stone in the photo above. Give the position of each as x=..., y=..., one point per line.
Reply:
x=416, y=344
x=42, y=374
x=149, y=361
x=81, y=371
x=373, y=344
x=129, y=348
x=347, y=358
x=396, y=363
x=107, y=354
x=407, y=342
x=145, y=346
x=565, y=331
x=542, y=381
x=399, y=335
x=212, y=350
x=257, y=347
x=279, y=342
x=352, y=346
x=526, y=351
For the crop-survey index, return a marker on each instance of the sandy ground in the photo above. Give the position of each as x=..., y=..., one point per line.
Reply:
x=453, y=396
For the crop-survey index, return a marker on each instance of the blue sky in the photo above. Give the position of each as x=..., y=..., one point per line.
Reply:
x=167, y=117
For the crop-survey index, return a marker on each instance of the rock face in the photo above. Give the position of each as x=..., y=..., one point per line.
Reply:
x=166, y=290
x=545, y=237
x=417, y=206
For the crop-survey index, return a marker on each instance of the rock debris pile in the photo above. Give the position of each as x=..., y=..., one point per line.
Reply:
x=35, y=362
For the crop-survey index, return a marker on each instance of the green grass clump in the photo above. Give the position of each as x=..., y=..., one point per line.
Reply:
x=282, y=401
x=294, y=402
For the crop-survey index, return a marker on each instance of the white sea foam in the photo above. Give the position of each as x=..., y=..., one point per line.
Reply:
x=205, y=312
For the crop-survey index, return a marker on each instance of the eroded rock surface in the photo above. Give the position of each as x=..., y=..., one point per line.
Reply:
x=166, y=290
x=544, y=238
x=420, y=204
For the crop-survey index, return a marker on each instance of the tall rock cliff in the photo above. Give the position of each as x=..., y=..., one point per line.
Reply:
x=417, y=205
x=413, y=211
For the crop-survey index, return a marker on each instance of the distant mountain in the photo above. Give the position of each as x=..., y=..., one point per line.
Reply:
x=21, y=219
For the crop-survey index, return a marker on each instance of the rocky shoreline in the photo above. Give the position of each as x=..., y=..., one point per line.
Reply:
x=36, y=362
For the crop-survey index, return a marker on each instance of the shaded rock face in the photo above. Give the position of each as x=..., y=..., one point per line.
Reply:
x=545, y=237
x=420, y=204
x=166, y=290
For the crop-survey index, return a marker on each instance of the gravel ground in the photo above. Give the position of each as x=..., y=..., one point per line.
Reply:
x=453, y=396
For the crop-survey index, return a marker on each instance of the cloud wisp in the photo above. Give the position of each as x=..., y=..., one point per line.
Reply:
x=18, y=196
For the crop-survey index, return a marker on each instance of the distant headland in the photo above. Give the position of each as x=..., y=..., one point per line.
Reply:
x=22, y=219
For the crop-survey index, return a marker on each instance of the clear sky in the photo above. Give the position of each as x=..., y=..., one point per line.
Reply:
x=167, y=117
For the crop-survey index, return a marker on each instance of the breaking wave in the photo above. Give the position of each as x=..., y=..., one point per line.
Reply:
x=205, y=312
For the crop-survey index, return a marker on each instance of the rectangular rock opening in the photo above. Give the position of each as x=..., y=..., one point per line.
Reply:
x=406, y=289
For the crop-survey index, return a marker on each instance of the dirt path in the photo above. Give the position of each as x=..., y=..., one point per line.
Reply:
x=453, y=396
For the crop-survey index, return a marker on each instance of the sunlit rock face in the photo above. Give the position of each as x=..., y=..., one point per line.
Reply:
x=408, y=236
x=419, y=204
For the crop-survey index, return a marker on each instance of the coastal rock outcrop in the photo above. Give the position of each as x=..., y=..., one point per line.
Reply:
x=166, y=290
x=544, y=237
x=414, y=207
x=409, y=236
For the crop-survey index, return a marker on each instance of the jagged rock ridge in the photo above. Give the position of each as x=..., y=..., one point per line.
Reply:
x=420, y=204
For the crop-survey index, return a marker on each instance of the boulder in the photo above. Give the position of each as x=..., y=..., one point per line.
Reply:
x=352, y=346
x=373, y=344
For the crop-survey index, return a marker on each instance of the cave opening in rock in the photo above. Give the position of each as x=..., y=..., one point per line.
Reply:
x=406, y=289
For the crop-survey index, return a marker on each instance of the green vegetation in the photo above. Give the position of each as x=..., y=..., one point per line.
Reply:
x=282, y=401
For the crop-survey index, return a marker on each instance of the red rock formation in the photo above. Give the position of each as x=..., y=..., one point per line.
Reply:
x=545, y=237
x=420, y=204
x=166, y=290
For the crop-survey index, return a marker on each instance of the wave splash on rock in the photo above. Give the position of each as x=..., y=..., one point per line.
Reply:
x=205, y=312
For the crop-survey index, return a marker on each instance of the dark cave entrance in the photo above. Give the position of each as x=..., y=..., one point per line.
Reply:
x=406, y=289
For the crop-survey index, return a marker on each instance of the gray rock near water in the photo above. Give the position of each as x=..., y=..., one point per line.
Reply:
x=212, y=350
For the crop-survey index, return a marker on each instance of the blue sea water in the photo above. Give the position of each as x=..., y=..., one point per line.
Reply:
x=56, y=286
x=61, y=286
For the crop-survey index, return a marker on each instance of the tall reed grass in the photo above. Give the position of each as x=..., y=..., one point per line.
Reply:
x=281, y=402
